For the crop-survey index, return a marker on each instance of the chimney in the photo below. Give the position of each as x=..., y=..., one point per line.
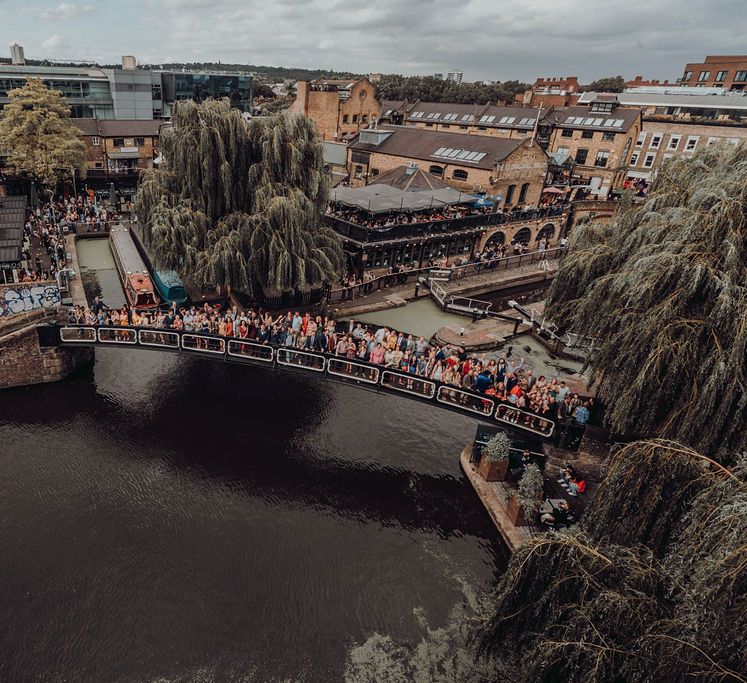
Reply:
x=16, y=55
x=411, y=168
x=129, y=63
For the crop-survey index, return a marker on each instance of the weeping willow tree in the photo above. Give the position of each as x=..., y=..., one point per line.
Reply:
x=240, y=205
x=604, y=603
x=663, y=291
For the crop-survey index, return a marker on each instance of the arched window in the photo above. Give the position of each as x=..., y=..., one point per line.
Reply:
x=436, y=170
x=523, y=235
x=510, y=191
x=495, y=239
x=547, y=231
x=523, y=193
x=459, y=174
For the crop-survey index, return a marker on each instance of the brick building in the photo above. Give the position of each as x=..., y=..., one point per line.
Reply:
x=599, y=137
x=678, y=121
x=561, y=91
x=512, y=122
x=119, y=148
x=717, y=71
x=512, y=169
x=339, y=108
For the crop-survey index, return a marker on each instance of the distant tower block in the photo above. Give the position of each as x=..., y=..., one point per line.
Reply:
x=129, y=63
x=16, y=55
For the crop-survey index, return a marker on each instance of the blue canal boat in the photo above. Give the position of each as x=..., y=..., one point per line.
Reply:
x=170, y=286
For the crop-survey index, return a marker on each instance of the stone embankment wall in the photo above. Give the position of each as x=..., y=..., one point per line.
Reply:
x=24, y=361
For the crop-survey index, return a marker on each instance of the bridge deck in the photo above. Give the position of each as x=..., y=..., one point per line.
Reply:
x=353, y=371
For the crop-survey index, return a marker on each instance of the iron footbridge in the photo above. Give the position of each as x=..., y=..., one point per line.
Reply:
x=351, y=371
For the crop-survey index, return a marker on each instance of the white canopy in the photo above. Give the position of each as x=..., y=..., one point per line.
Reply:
x=383, y=198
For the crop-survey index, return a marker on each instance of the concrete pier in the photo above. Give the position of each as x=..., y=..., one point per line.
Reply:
x=494, y=496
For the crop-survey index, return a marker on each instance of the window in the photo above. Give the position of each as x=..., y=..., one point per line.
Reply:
x=634, y=158
x=602, y=158
x=358, y=171
x=139, y=142
x=691, y=143
x=655, y=141
x=712, y=141
x=95, y=141
x=523, y=193
x=721, y=76
x=481, y=128
x=601, y=106
x=345, y=118
x=674, y=142
x=429, y=125
x=648, y=162
x=587, y=134
x=459, y=174
x=155, y=91
x=445, y=125
x=704, y=76
x=119, y=142
x=608, y=136
x=687, y=75
x=364, y=118
x=581, y=155
x=436, y=170
x=567, y=133
x=374, y=171
x=641, y=138
x=98, y=164
x=510, y=190
x=355, y=118
x=462, y=127
x=740, y=76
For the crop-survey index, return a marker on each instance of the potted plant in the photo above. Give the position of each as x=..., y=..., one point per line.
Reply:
x=524, y=502
x=494, y=460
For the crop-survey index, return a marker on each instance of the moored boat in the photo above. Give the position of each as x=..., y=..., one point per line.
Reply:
x=136, y=282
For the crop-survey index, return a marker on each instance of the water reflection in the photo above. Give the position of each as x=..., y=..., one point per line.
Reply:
x=179, y=518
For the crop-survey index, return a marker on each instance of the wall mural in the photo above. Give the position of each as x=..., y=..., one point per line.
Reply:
x=27, y=297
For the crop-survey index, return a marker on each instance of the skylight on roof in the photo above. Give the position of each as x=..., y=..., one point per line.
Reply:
x=387, y=112
x=417, y=115
x=487, y=119
x=619, y=123
x=433, y=115
x=459, y=154
x=450, y=117
x=468, y=117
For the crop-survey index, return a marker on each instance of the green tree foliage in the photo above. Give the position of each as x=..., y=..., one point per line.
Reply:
x=43, y=143
x=262, y=90
x=430, y=89
x=663, y=291
x=240, y=205
x=622, y=598
x=608, y=84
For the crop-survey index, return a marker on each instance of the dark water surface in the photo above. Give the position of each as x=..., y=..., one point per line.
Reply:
x=170, y=518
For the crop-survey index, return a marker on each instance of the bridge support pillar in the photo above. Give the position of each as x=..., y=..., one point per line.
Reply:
x=25, y=360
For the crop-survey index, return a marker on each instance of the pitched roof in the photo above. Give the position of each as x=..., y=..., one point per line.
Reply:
x=87, y=126
x=583, y=118
x=485, y=115
x=407, y=178
x=456, y=149
x=12, y=218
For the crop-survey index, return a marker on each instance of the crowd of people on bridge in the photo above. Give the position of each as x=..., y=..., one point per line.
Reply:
x=524, y=397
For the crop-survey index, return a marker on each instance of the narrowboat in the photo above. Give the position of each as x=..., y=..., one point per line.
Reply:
x=136, y=282
x=168, y=284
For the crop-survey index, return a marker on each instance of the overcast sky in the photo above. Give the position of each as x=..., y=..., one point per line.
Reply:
x=488, y=39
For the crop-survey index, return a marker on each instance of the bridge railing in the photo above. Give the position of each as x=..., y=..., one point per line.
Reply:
x=445, y=273
x=335, y=367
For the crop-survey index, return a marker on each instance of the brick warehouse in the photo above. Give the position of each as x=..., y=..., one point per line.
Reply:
x=514, y=170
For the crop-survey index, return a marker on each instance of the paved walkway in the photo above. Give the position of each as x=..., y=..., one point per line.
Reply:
x=77, y=293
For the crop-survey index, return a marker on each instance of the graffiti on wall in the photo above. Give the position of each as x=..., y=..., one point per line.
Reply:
x=27, y=297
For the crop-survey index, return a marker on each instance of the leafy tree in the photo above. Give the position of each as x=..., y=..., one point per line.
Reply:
x=239, y=204
x=608, y=84
x=650, y=587
x=431, y=89
x=663, y=291
x=43, y=143
x=262, y=90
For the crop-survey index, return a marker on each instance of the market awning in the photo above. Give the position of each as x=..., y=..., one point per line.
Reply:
x=134, y=154
x=382, y=198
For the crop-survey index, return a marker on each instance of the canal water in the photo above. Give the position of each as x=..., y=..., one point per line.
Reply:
x=98, y=271
x=169, y=518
